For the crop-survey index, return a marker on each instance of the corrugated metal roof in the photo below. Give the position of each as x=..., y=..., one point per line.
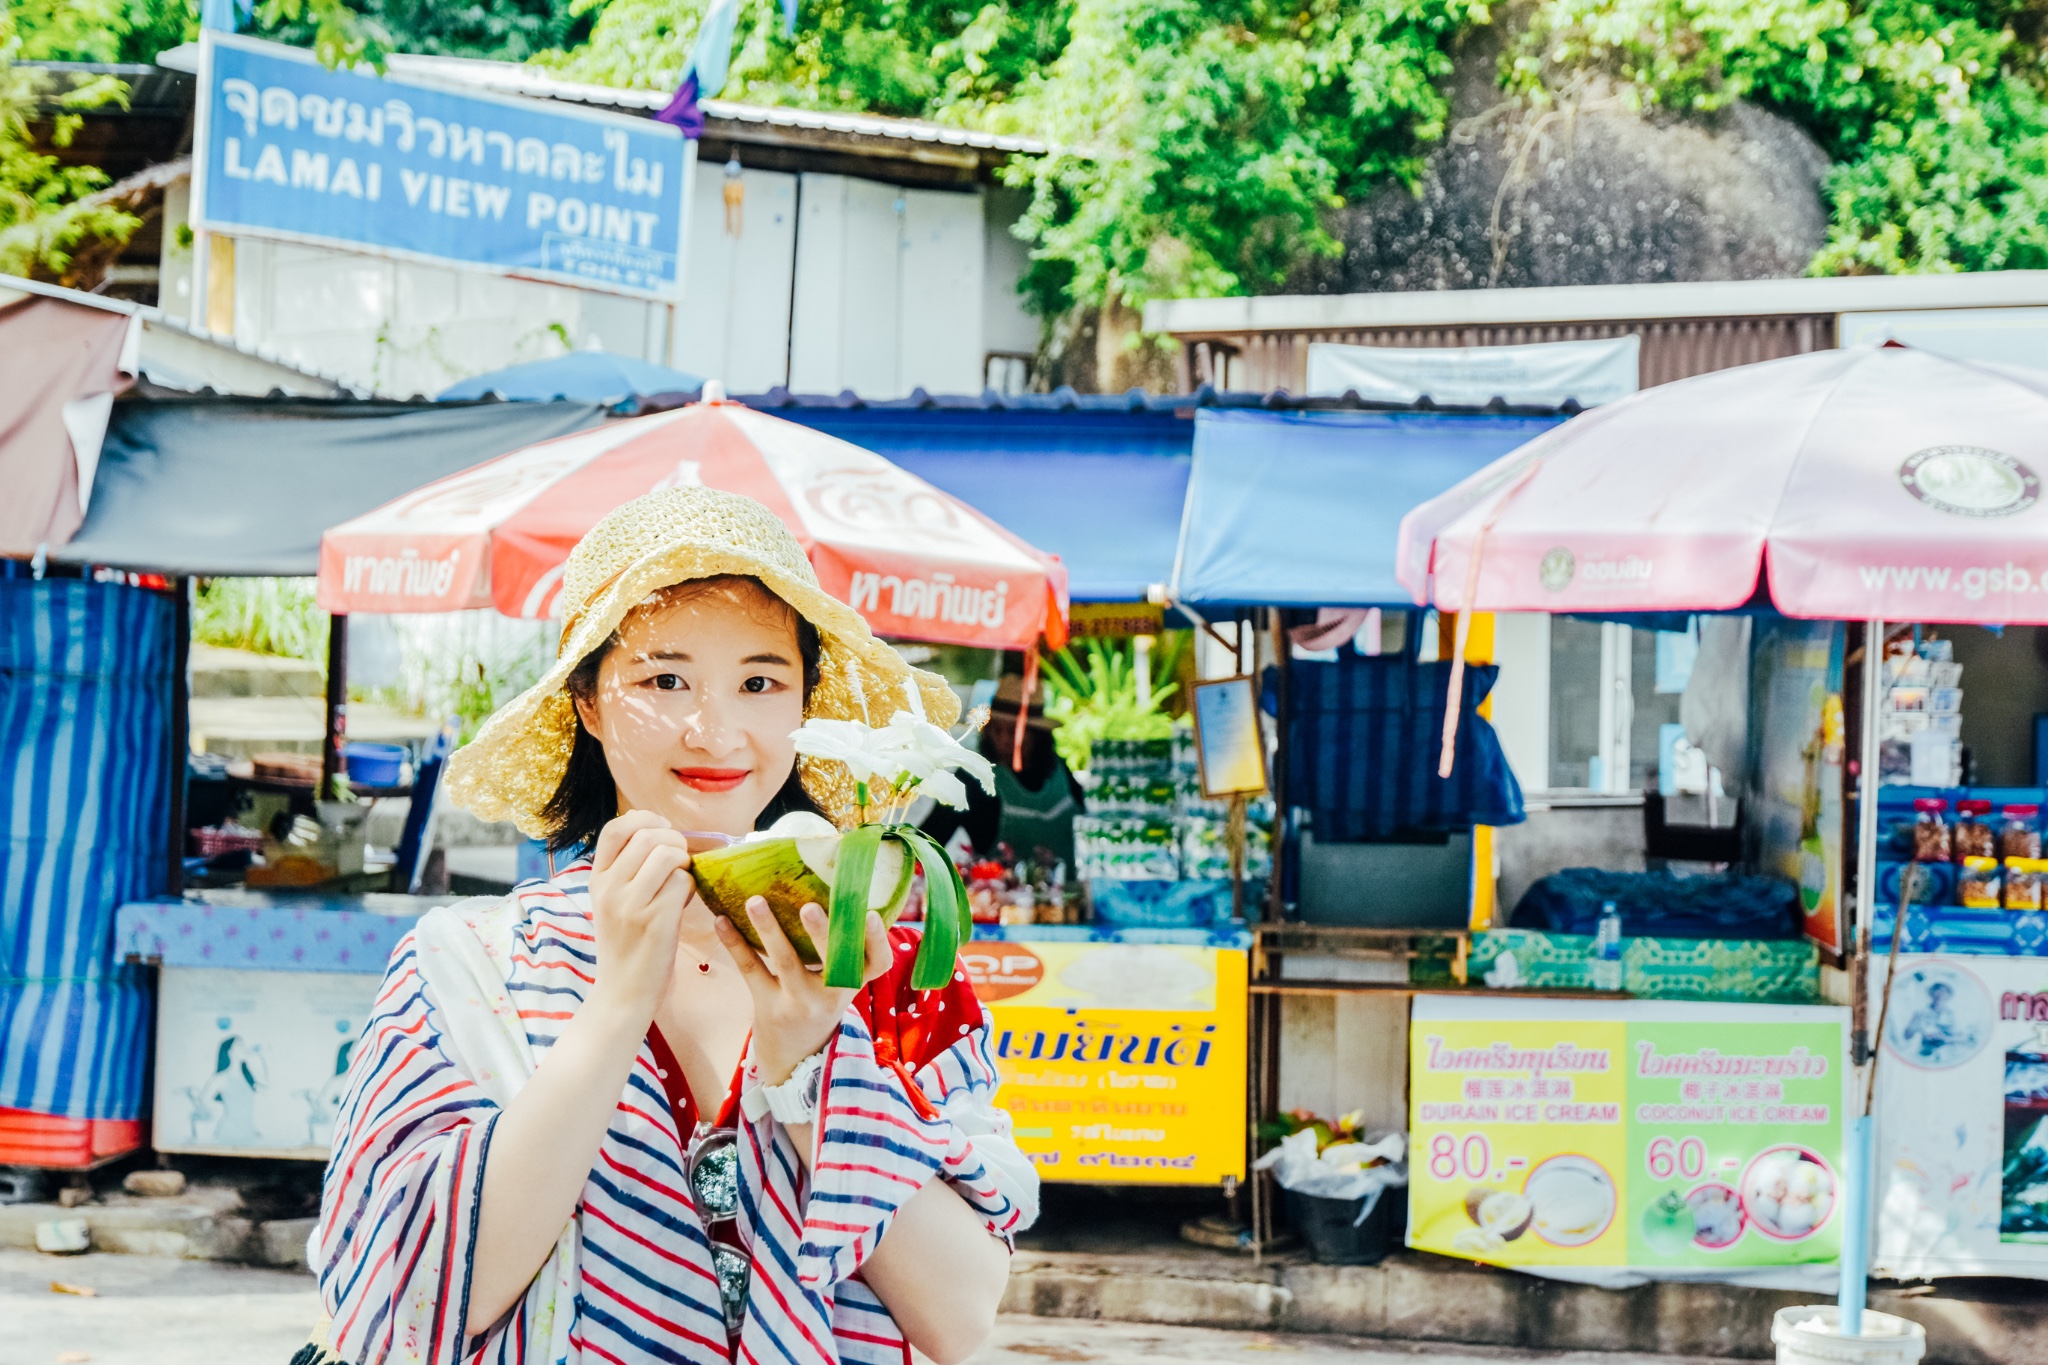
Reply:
x=153, y=91
x=160, y=176
x=533, y=82
x=158, y=319
x=1067, y=400
x=1671, y=349
x=511, y=78
x=1595, y=303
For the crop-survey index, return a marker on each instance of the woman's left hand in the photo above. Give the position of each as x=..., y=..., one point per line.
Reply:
x=795, y=1012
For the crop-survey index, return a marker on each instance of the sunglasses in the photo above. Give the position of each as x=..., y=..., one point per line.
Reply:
x=714, y=1175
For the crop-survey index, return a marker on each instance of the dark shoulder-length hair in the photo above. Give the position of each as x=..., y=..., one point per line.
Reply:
x=588, y=798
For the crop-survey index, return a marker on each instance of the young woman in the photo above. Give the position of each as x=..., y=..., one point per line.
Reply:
x=590, y=1123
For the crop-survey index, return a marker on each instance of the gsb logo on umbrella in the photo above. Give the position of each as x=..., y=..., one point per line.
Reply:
x=1970, y=481
x=1556, y=570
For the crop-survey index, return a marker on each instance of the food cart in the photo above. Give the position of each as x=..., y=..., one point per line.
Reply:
x=1866, y=486
x=97, y=631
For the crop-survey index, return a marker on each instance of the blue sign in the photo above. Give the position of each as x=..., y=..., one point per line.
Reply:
x=290, y=149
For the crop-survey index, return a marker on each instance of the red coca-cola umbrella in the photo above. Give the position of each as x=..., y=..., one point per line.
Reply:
x=917, y=563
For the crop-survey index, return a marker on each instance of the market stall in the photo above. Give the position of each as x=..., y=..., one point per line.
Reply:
x=93, y=719
x=1857, y=484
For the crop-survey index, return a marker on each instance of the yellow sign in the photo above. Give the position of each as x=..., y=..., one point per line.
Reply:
x=1121, y=1063
x=1629, y=1133
x=1535, y=1119
x=1087, y=619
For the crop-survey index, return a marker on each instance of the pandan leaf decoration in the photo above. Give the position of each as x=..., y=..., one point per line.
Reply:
x=948, y=919
x=846, y=955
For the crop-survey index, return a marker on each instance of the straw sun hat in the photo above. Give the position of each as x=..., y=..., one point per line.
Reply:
x=678, y=535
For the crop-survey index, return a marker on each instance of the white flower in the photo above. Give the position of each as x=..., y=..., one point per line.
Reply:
x=924, y=751
x=848, y=742
x=904, y=748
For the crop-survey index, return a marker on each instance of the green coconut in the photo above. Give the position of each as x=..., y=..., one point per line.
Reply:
x=792, y=871
x=1668, y=1223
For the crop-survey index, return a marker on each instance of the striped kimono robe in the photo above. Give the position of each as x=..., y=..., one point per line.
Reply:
x=906, y=1098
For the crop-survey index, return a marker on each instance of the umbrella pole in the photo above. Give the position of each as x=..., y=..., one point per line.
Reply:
x=336, y=729
x=1855, y=1257
x=181, y=730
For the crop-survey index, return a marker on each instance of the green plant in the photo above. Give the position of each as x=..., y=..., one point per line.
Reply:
x=264, y=615
x=1091, y=693
x=1345, y=1128
x=48, y=214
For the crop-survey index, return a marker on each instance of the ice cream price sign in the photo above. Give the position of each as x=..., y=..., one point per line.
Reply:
x=1633, y=1133
x=1121, y=1064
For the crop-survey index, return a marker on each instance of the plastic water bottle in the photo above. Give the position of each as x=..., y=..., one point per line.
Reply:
x=1607, y=950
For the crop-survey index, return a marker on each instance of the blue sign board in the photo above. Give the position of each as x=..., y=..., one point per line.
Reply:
x=292, y=150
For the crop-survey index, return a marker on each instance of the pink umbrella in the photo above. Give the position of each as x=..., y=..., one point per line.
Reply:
x=915, y=562
x=1863, y=483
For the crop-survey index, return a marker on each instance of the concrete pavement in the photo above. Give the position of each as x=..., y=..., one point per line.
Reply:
x=155, y=1310
x=149, y=1310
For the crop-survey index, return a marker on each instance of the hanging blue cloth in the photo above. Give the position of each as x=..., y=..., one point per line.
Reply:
x=85, y=743
x=1364, y=737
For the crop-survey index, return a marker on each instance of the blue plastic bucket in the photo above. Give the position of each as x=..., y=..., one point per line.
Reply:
x=374, y=765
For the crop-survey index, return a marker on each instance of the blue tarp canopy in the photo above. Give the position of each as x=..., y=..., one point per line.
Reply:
x=1302, y=509
x=221, y=485
x=1102, y=490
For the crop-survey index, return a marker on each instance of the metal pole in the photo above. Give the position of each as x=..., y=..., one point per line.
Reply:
x=181, y=730
x=336, y=733
x=1855, y=1258
x=1282, y=657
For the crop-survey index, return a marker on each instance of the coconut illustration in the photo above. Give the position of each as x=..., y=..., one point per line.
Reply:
x=1499, y=1213
x=1668, y=1224
x=792, y=864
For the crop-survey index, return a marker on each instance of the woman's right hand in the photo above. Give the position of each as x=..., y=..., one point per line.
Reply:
x=639, y=883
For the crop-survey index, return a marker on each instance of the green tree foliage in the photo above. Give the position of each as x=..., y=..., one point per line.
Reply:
x=47, y=212
x=101, y=30
x=909, y=58
x=501, y=30
x=1197, y=143
x=1931, y=109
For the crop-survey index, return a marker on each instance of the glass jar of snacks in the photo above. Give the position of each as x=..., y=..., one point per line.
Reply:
x=2020, y=835
x=1930, y=830
x=2023, y=879
x=1973, y=836
x=1977, y=884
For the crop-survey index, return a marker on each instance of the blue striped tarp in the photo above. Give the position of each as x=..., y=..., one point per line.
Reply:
x=85, y=672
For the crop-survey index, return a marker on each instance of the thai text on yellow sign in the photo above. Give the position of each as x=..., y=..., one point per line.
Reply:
x=1631, y=1133
x=1121, y=1063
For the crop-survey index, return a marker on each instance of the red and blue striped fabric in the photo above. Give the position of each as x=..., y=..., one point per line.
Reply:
x=399, y=1211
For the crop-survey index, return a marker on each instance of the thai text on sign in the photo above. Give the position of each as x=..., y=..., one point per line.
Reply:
x=290, y=149
x=1120, y=1063
x=1615, y=1134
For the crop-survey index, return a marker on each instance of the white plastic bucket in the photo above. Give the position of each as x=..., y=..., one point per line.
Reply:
x=1886, y=1340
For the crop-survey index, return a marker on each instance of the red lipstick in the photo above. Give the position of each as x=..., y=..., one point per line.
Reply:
x=714, y=780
